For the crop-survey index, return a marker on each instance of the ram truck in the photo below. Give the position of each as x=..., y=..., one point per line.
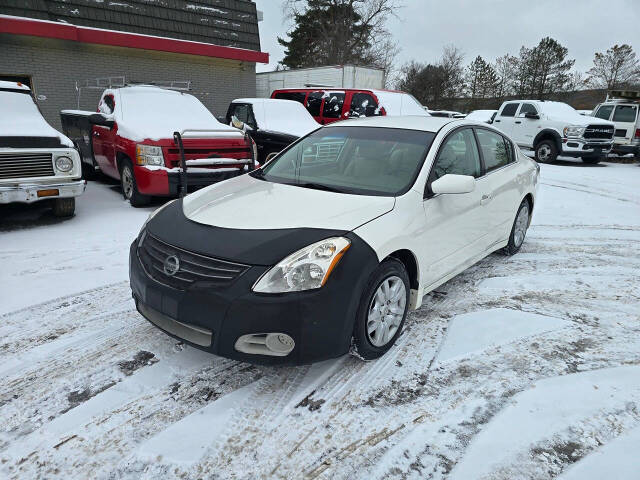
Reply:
x=551, y=129
x=37, y=163
x=132, y=139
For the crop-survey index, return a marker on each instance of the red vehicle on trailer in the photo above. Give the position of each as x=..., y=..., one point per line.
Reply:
x=131, y=139
x=328, y=105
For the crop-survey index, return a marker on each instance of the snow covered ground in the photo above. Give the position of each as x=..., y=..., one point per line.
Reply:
x=521, y=367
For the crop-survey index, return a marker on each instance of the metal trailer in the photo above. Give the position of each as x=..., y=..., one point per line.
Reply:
x=338, y=76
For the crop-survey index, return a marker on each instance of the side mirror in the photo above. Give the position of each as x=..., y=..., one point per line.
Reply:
x=532, y=116
x=235, y=122
x=101, y=120
x=454, y=184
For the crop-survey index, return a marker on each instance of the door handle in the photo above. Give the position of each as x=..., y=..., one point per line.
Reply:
x=496, y=121
x=518, y=121
x=485, y=199
x=96, y=134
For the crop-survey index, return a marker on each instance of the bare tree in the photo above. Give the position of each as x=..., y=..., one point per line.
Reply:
x=617, y=68
x=451, y=63
x=505, y=68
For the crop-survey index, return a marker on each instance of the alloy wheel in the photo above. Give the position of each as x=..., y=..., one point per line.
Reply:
x=520, y=228
x=127, y=182
x=386, y=311
x=544, y=153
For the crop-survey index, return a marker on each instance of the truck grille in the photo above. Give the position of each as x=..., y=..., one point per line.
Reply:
x=599, y=131
x=190, y=267
x=26, y=165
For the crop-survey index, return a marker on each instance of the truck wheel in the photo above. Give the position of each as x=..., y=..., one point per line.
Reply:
x=592, y=160
x=64, y=207
x=129, y=186
x=382, y=311
x=546, y=151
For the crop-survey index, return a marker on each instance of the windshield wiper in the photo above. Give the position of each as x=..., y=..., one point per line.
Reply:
x=318, y=186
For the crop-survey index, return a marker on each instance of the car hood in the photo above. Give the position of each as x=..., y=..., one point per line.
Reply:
x=248, y=203
x=581, y=120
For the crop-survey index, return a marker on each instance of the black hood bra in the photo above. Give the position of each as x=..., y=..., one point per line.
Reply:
x=251, y=247
x=31, y=142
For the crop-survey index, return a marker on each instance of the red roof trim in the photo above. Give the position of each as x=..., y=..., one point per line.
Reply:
x=62, y=31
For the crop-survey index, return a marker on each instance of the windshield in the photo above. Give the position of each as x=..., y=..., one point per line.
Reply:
x=357, y=160
x=151, y=105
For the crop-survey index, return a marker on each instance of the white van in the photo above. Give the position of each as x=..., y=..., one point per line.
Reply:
x=621, y=107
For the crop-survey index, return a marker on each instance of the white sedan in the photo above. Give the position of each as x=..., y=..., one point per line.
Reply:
x=324, y=249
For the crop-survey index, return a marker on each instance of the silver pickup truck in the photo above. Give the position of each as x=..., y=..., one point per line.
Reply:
x=37, y=163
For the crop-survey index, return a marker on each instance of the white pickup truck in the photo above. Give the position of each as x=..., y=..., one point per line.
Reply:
x=37, y=162
x=554, y=128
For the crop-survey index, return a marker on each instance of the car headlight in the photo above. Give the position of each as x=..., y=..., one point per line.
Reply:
x=573, y=131
x=149, y=155
x=151, y=215
x=306, y=269
x=64, y=164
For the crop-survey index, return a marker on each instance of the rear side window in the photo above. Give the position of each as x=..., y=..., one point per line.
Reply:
x=496, y=151
x=333, y=103
x=296, y=96
x=604, y=112
x=625, y=113
x=509, y=110
x=314, y=103
x=363, y=104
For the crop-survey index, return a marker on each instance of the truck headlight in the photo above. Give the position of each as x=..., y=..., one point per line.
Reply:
x=149, y=155
x=573, y=131
x=306, y=269
x=64, y=164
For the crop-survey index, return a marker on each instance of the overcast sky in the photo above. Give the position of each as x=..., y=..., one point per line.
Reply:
x=489, y=28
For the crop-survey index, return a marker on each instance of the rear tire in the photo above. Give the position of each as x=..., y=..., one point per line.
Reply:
x=130, y=187
x=64, y=207
x=518, y=230
x=382, y=311
x=592, y=160
x=546, y=151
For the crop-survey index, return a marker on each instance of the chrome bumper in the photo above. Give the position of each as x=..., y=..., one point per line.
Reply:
x=28, y=192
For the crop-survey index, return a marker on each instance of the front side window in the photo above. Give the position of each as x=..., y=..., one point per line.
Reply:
x=625, y=113
x=496, y=152
x=528, y=108
x=509, y=110
x=314, y=103
x=356, y=160
x=333, y=102
x=604, y=112
x=363, y=105
x=242, y=112
x=107, y=105
x=458, y=156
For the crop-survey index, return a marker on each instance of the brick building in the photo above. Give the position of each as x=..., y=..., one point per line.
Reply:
x=62, y=47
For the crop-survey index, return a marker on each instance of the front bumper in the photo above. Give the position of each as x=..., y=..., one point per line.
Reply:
x=320, y=322
x=28, y=192
x=166, y=182
x=578, y=147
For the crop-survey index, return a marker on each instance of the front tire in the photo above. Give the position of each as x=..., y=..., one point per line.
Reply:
x=382, y=311
x=130, y=187
x=546, y=151
x=519, y=229
x=64, y=207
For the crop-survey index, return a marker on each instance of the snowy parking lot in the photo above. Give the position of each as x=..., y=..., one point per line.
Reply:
x=521, y=367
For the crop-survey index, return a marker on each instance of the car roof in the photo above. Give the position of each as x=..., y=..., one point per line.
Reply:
x=408, y=122
x=13, y=85
x=263, y=100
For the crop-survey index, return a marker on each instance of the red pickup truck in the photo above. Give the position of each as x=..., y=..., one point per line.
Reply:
x=131, y=139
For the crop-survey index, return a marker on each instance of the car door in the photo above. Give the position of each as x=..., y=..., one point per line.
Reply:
x=505, y=120
x=104, y=139
x=332, y=106
x=501, y=197
x=456, y=227
x=525, y=129
x=624, y=116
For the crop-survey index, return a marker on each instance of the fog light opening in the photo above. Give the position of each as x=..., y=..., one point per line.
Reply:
x=274, y=344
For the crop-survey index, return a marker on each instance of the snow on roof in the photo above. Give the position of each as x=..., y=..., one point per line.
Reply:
x=13, y=85
x=285, y=116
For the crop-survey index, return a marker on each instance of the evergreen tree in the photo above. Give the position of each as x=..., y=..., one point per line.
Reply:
x=616, y=68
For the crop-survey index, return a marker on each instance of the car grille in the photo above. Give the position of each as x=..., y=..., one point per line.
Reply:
x=192, y=267
x=599, y=131
x=26, y=165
